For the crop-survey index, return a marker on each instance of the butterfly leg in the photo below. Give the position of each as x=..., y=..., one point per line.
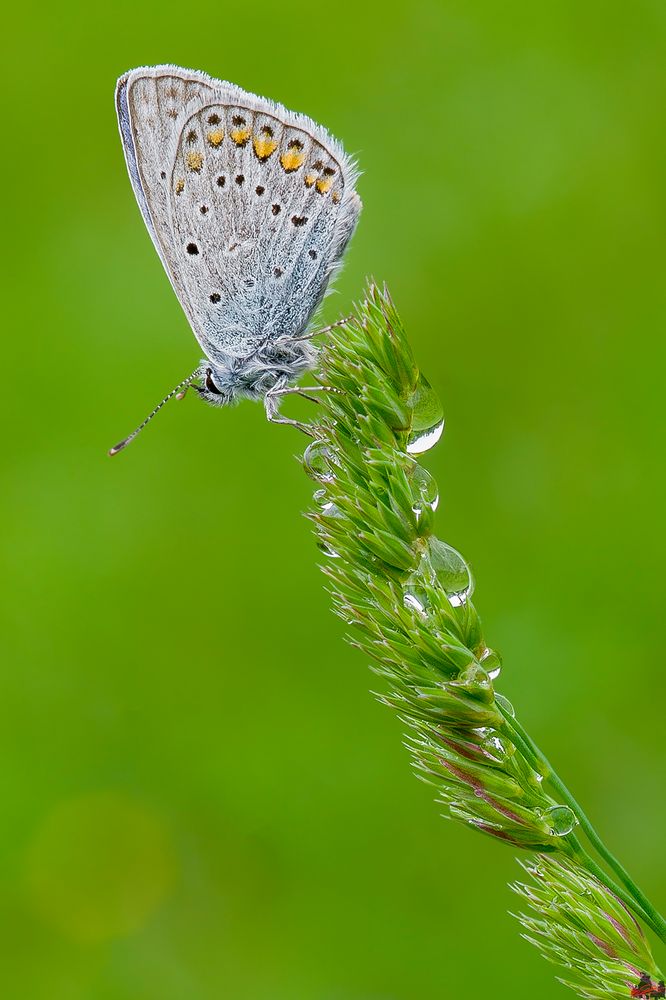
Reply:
x=325, y=329
x=272, y=407
x=275, y=418
x=303, y=391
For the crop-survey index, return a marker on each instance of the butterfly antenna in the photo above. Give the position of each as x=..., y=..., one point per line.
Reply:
x=179, y=391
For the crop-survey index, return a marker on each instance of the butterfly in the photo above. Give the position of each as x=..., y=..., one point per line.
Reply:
x=250, y=208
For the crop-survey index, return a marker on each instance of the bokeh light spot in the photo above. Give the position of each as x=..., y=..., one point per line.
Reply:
x=99, y=866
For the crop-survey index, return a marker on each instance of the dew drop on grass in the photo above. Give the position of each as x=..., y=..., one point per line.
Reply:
x=414, y=595
x=493, y=744
x=441, y=568
x=427, y=417
x=449, y=571
x=327, y=550
x=498, y=748
x=491, y=662
x=560, y=819
x=426, y=494
x=326, y=506
x=329, y=509
x=319, y=462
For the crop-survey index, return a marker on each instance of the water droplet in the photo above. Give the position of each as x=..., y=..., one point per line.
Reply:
x=319, y=462
x=494, y=744
x=414, y=595
x=327, y=550
x=326, y=507
x=492, y=663
x=449, y=571
x=497, y=747
x=505, y=704
x=329, y=509
x=560, y=819
x=474, y=679
x=427, y=417
x=441, y=567
x=426, y=494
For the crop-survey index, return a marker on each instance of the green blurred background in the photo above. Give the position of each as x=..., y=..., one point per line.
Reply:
x=201, y=799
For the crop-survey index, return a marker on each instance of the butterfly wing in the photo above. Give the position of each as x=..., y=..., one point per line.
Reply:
x=150, y=103
x=250, y=206
x=262, y=204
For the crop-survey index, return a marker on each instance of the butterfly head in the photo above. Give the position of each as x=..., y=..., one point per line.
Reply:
x=227, y=380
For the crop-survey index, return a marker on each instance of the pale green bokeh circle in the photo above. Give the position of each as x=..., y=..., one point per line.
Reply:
x=99, y=866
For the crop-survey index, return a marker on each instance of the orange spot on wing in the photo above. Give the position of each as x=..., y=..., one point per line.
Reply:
x=310, y=180
x=215, y=137
x=264, y=148
x=240, y=136
x=292, y=160
x=194, y=161
x=324, y=184
x=180, y=186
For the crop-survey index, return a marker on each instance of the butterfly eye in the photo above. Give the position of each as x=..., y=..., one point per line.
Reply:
x=210, y=385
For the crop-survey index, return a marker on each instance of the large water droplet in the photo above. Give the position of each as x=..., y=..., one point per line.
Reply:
x=426, y=494
x=319, y=462
x=560, y=819
x=449, y=571
x=491, y=662
x=427, y=417
x=442, y=568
